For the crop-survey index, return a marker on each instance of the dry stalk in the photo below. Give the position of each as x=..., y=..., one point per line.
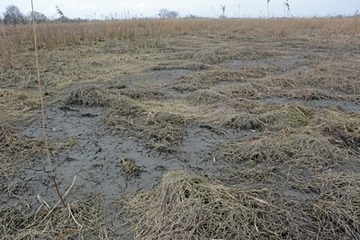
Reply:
x=51, y=165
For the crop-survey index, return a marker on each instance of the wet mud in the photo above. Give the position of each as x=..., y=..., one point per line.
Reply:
x=95, y=158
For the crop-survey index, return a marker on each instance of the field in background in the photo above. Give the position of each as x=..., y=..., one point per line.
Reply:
x=209, y=129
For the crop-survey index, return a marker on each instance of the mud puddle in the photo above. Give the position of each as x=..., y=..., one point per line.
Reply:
x=96, y=158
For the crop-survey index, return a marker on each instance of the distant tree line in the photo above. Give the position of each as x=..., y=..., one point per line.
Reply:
x=164, y=13
x=14, y=16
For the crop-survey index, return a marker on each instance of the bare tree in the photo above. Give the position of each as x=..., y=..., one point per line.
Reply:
x=268, y=12
x=13, y=15
x=164, y=13
x=38, y=17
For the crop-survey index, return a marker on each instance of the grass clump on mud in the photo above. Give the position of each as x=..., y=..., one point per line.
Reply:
x=336, y=119
x=130, y=168
x=308, y=94
x=343, y=129
x=243, y=121
x=18, y=105
x=263, y=117
x=308, y=149
x=16, y=150
x=289, y=115
x=91, y=96
x=163, y=131
x=250, y=90
x=124, y=114
x=205, y=96
x=78, y=220
x=192, y=206
x=186, y=206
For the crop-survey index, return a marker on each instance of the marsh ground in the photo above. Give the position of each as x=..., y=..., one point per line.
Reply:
x=234, y=129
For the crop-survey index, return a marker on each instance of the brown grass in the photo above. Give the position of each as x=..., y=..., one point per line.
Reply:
x=80, y=220
x=89, y=96
x=297, y=177
x=62, y=34
x=312, y=150
x=187, y=206
x=262, y=117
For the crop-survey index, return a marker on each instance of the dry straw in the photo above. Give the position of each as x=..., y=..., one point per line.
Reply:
x=43, y=114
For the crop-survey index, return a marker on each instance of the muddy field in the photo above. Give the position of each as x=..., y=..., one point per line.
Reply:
x=216, y=130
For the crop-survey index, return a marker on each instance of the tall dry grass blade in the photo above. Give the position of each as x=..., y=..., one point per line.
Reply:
x=43, y=114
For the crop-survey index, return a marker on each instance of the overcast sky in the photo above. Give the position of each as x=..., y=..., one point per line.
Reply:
x=204, y=8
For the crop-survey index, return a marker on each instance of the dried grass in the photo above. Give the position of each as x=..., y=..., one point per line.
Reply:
x=311, y=150
x=243, y=121
x=309, y=94
x=124, y=113
x=17, y=104
x=206, y=57
x=252, y=90
x=191, y=206
x=187, y=206
x=205, y=97
x=160, y=129
x=276, y=186
x=79, y=220
x=163, y=131
x=16, y=150
x=281, y=117
x=345, y=139
x=137, y=30
x=289, y=115
x=90, y=96
x=334, y=76
x=142, y=94
x=337, y=120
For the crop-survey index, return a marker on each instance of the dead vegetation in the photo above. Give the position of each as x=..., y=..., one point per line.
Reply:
x=187, y=206
x=206, y=97
x=80, y=220
x=89, y=96
x=130, y=168
x=311, y=150
x=16, y=150
x=163, y=131
x=271, y=118
x=295, y=176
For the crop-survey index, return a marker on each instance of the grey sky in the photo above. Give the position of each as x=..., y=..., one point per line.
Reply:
x=205, y=8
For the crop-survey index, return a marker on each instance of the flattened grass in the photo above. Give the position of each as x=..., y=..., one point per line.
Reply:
x=299, y=181
x=265, y=117
x=191, y=206
x=307, y=149
x=80, y=220
x=90, y=96
x=16, y=150
x=159, y=128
